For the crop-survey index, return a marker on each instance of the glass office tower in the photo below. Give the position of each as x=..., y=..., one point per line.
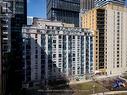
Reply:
x=89, y=4
x=86, y=4
x=64, y=10
x=100, y=3
x=12, y=62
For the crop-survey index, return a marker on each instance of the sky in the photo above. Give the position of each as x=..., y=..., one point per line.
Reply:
x=36, y=8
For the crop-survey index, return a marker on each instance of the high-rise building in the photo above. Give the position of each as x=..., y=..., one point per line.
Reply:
x=5, y=42
x=115, y=39
x=94, y=19
x=89, y=4
x=0, y=53
x=110, y=47
x=29, y=20
x=100, y=3
x=12, y=60
x=52, y=50
x=66, y=11
x=86, y=4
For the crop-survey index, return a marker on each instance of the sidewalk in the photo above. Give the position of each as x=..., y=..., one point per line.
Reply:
x=111, y=92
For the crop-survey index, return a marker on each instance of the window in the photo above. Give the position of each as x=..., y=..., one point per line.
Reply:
x=60, y=37
x=54, y=41
x=36, y=51
x=60, y=55
x=73, y=59
x=36, y=56
x=35, y=35
x=59, y=46
x=35, y=40
x=54, y=55
x=73, y=37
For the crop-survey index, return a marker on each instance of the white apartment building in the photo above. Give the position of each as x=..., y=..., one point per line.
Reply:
x=115, y=39
x=52, y=50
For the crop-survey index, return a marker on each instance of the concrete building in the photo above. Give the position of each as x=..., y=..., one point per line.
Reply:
x=94, y=19
x=110, y=48
x=66, y=11
x=52, y=50
x=115, y=39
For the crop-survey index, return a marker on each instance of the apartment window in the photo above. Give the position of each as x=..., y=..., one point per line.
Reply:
x=78, y=72
x=36, y=51
x=60, y=55
x=54, y=41
x=58, y=28
x=60, y=37
x=60, y=46
x=60, y=69
x=35, y=35
x=118, y=23
x=36, y=56
x=54, y=55
x=73, y=37
x=118, y=27
x=48, y=27
x=36, y=41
